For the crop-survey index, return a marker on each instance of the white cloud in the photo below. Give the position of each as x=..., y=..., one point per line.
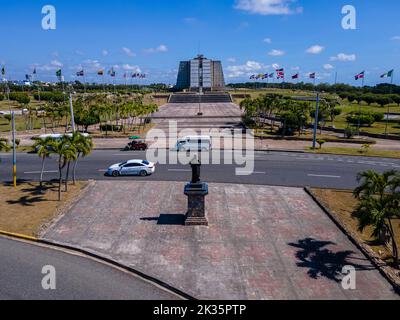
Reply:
x=268, y=40
x=267, y=7
x=328, y=66
x=396, y=38
x=53, y=65
x=294, y=68
x=317, y=49
x=79, y=52
x=232, y=60
x=104, y=53
x=276, y=66
x=128, y=52
x=56, y=63
x=160, y=48
x=276, y=53
x=344, y=57
x=128, y=67
x=246, y=69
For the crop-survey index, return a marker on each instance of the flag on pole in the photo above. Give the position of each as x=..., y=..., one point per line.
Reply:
x=253, y=76
x=59, y=75
x=280, y=73
x=100, y=73
x=312, y=75
x=34, y=71
x=3, y=71
x=296, y=76
x=80, y=73
x=361, y=75
x=388, y=74
x=112, y=72
x=271, y=75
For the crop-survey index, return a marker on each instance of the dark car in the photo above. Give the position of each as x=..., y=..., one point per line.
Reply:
x=136, y=145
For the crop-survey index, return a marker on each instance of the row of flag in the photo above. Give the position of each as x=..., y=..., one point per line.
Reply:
x=81, y=73
x=388, y=74
x=111, y=73
x=280, y=74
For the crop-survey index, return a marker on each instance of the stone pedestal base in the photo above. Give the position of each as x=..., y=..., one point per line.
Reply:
x=196, y=215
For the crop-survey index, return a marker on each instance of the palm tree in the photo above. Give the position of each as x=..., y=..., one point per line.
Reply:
x=4, y=145
x=84, y=146
x=66, y=152
x=43, y=150
x=379, y=196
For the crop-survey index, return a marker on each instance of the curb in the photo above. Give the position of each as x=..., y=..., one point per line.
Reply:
x=100, y=259
x=378, y=263
x=18, y=236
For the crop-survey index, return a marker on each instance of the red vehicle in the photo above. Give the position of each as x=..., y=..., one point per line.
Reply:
x=136, y=145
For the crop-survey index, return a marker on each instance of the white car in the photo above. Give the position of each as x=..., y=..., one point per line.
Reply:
x=141, y=168
x=194, y=143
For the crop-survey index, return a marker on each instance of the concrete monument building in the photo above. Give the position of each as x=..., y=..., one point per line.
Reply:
x=200, y=72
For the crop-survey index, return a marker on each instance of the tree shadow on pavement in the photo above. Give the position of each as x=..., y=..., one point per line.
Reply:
x=168, y=219
x=322, y=262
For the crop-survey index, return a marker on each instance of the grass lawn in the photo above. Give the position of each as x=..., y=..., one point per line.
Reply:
x=343, y=204
x=356, y=152
x=378, y=127
x=25, y=209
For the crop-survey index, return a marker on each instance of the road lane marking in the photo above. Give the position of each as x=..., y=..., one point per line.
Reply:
x=251, y=172
x=323, y=176
x=37, y=172
x=179, y=170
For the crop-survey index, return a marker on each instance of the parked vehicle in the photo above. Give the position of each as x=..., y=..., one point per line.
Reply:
x=136, y=145
x=141, y=168
x=194, y=143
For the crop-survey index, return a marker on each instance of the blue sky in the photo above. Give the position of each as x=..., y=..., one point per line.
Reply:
x=248, y=36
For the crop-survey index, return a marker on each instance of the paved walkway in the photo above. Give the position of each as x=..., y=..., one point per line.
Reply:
x=262, y=242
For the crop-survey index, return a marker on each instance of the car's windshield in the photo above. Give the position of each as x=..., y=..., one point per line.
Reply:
x=146, y=162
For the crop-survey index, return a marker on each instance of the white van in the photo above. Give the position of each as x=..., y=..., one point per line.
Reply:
x=194, y=143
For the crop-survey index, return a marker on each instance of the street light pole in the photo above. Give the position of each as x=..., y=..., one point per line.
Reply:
x=388, y=111
x=14, y=151
x=72, y=112
x=316, y=123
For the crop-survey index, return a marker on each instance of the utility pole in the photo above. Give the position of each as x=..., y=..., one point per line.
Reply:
x=14, y=150
x=316, y=123
x=72, y=112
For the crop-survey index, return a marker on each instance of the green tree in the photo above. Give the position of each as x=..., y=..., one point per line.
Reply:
x=379, y=204
x=84, y=146
x=43, y=150
x=65, y=152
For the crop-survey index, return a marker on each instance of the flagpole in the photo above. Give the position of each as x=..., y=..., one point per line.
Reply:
x=388, y=112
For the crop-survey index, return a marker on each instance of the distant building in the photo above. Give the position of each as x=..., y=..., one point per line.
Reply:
x=200, y=72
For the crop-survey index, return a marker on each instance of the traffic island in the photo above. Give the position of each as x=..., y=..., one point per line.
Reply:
x=26, y=209
x=262, y=242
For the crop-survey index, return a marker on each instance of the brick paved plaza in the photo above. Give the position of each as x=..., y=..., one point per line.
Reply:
x=262, y=242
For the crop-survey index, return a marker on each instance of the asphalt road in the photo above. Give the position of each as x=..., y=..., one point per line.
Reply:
x=275, y=168
x=77, y=277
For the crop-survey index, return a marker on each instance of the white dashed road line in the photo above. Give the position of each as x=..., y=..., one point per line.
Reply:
x=323, y=176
